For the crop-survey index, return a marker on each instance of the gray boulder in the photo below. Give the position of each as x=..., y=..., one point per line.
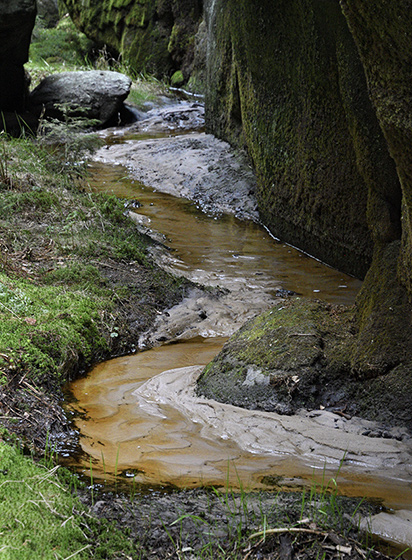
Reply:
x=94, y=94
x=16, y=24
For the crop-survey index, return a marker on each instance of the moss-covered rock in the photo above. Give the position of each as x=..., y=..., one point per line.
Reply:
x=285, y=80
x=284, y=359
x=298, y=355
x=322, y=104
x=383, y=33
x=155, y=36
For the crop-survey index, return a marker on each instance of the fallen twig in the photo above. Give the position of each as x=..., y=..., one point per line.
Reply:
x=287, y=530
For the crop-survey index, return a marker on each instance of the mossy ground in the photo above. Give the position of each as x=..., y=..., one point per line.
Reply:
x=76, y=284
x=41, y=517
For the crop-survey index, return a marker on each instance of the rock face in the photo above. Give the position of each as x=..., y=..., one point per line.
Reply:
x=92, y=94
x=285, y=81
x=48, y=12
x=319, y=92
x=155, y=36
x=16, y=24
x=384, y=35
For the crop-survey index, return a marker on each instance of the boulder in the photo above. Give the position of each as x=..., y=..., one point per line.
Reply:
x=95, y=95
x=16, y=24
x=154, y=36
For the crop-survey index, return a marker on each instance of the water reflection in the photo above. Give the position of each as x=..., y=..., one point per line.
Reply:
x=222, y=250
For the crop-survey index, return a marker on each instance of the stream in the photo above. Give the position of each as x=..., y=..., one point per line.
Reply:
x=139, y=417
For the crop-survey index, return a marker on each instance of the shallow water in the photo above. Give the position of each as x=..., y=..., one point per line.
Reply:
x=152, y=444
x=222, y=250
x=155, y=446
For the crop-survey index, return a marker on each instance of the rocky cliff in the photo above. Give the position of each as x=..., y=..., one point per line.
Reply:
x=155, y=36
x=16, y=24
x=318, y=92
x=285, y=81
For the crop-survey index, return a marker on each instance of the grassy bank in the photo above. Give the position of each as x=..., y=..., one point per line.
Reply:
x=42, y=517
x=76, y=284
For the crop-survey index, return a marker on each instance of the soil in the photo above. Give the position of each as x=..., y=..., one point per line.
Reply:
x=176, y=524
x=197, y=166
x=181, y=524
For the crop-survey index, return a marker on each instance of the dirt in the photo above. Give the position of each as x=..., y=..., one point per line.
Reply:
x=192, y=523
x=196, y=166
x=178, y=524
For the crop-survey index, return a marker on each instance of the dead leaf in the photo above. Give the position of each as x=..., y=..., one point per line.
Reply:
x=30, y=320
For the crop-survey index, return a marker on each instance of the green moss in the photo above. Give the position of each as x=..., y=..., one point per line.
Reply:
x=285, y=81
x=63, y=43
x=41, y=518
x=177, y=79
x=385, y=336
x=296, y=340
x=47, y=331
x=150, y=36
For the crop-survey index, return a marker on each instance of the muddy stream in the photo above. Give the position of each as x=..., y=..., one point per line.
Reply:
x=139, y=416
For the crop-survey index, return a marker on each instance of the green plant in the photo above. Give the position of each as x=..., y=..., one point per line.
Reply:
x=91, y=481
x=63, y=44
x=6, y=180
x=50, y=455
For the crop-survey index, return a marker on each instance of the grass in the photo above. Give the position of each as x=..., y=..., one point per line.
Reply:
x=63, y=251
x=40, y=517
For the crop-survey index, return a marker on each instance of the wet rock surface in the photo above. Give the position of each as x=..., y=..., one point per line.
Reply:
x=301, y=350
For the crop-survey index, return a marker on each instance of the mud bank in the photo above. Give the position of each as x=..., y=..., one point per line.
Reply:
x=316, y=440
x=197, y=166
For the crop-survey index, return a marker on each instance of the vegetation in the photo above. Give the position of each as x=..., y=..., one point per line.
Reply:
x=41, y=517
x=66, y=296
x=67, y=299
x=62, y=44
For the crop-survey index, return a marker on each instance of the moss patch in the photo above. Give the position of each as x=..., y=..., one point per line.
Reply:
x=154, y=36
x=300, y=354
x=41, y=518
x=283, y=359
